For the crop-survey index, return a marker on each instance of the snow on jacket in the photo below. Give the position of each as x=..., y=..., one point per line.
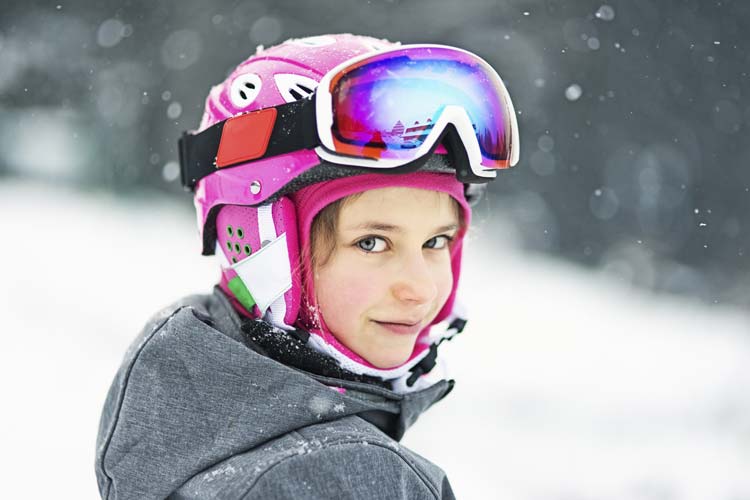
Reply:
x=198, y=410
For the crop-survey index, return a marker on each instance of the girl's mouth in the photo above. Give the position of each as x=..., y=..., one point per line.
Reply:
x=399, y=328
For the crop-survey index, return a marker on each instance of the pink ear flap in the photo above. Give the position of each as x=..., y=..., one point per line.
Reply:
x=285, y=219
x=259, y=252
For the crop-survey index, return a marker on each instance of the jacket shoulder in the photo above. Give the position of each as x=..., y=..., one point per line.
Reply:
x=345, y=458
x=179, y=315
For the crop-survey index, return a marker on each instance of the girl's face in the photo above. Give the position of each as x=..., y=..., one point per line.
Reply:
x=391, y=264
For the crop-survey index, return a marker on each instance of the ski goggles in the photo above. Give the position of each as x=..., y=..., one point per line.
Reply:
x=384, y=110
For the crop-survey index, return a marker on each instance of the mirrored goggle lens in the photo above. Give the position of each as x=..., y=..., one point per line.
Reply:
x=388, y=105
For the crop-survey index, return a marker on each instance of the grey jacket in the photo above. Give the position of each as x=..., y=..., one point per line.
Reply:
x=195, y=411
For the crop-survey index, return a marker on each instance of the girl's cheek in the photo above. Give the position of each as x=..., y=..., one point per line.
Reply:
x=444, y=281
x=358, y=286
x=445, y=290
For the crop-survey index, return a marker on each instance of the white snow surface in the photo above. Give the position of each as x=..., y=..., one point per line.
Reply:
x=569, y=385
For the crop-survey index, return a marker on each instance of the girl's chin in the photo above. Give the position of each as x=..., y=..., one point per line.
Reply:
x=396, y=355
x=389, y=363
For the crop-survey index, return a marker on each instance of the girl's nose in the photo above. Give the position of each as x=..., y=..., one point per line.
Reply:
x=414, y=281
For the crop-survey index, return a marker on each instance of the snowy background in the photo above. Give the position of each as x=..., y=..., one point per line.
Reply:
x=608, y=351
x=569, y=385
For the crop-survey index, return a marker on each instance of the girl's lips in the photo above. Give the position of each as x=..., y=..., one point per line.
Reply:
x=401, y=329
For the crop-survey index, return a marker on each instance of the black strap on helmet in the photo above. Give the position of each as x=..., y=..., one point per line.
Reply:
x=294, y=129
x=427, y=363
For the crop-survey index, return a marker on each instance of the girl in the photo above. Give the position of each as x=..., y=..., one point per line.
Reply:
x=333, y=178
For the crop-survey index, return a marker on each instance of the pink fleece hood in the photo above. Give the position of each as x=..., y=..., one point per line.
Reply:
x=310, y=200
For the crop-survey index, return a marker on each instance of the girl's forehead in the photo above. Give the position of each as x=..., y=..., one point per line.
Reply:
x=398, y=206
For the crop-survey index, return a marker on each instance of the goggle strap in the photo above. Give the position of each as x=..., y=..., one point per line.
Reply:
x=293, y=129
x=451, y=140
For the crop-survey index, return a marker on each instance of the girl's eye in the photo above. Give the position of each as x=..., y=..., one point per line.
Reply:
x=446, y=241
x=376, y=244
x=370, y=244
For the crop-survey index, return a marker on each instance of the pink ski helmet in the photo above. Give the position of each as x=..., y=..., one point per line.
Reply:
x=252, y=209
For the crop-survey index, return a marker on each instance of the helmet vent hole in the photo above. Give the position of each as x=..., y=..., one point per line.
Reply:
x=314, y=41
x=244, y=90
x=248, y=250
x=240, y=233
x=230, y=231
x=294, y=87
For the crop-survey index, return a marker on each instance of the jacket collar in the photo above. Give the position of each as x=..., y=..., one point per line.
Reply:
x=392, y=412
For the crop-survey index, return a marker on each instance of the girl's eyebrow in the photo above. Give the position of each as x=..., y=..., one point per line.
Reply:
x=382, y=226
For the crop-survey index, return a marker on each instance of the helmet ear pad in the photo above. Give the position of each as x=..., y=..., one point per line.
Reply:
x=241, y=232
